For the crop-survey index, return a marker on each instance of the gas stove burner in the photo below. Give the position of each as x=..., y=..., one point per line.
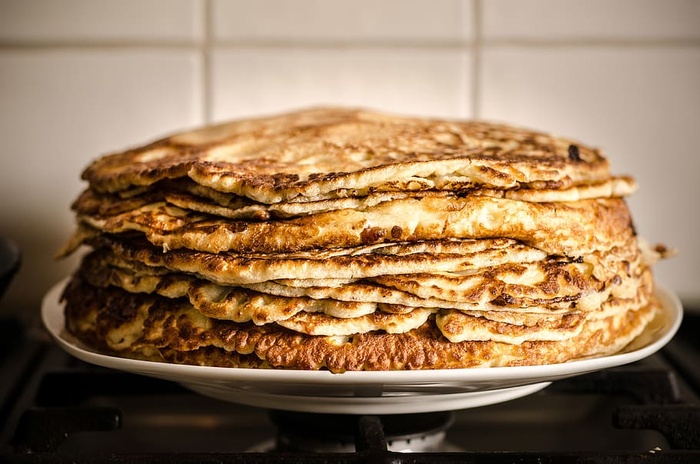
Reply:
x=336, y=433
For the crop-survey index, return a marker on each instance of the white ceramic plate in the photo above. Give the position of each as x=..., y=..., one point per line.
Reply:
x=386, y=392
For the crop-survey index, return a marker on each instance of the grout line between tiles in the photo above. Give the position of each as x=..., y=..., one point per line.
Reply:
x=476, y=60
x=206, y=89
x=589, y=42
x=9, y=45
x=208, y=42
x=340, y=44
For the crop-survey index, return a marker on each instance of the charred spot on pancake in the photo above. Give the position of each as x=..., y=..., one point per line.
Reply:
x=574, y=154
x=284, y=179
x=372, y=235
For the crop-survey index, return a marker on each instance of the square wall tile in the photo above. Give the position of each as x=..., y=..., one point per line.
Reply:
x=357, y=21
x=62, y=109
x=259, y=81
x=101, y=20
x=640, y=105
x=591, y=19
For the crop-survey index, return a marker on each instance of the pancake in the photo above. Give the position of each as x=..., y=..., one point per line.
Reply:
x=459, y=326
x=548, y=287
x=140, y=325
x=196, y=198
x=564, y=228
x=534, y=287
x=216, y=301
x=349, y=239
x=237, y=269
x=361, y=306
x=317, y=151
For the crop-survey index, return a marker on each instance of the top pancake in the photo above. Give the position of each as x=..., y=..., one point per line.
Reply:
x=330, y=152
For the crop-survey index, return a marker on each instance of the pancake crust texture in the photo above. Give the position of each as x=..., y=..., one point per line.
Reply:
x=344, y=239
x=320, y=152
x=124, y=324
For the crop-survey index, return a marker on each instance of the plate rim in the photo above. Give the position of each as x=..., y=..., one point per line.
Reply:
x=53, y=320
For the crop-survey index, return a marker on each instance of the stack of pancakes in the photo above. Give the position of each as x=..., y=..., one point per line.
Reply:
x=346, y=239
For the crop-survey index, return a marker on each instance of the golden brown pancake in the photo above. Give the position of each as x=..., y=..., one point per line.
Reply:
x=193, y=197
x=565, y=228
x=527, y=296
x=553, y=283
x=315, y=152
x=349, y=239
x=370, y=261
x=141, y=325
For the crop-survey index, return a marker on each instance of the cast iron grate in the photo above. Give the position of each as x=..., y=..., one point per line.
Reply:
x=42, y=418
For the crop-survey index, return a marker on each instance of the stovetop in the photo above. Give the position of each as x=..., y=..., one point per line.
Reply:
x=55, y=408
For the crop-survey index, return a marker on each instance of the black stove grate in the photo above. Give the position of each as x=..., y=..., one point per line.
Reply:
x=371, y=447
x=57, y=409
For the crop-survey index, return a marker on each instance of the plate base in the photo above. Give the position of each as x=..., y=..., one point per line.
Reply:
x=401, y=404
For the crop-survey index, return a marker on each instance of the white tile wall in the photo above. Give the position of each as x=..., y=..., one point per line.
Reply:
x=79, y=78
x=51, y=21
x=339, y=20
x=62, y=108
x=591, y=19
x=413, y=81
